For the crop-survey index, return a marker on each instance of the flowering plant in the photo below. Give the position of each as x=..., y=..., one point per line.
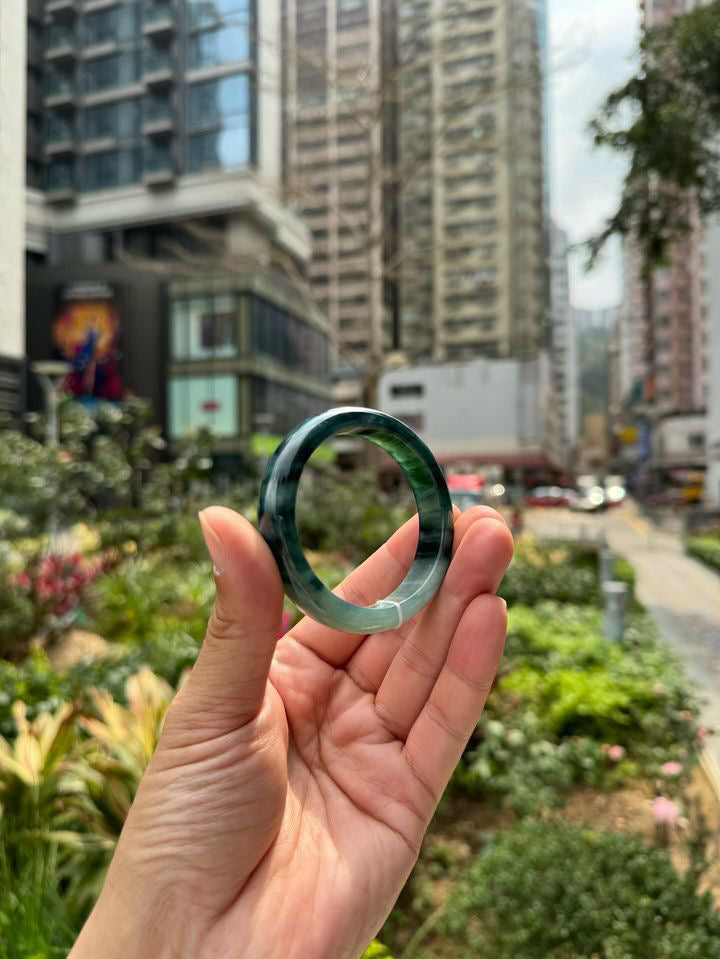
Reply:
x=57, y=585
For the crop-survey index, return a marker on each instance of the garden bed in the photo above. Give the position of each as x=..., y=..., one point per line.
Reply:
x=576, y=730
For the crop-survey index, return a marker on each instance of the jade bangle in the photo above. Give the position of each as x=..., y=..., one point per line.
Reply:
x=276, y=509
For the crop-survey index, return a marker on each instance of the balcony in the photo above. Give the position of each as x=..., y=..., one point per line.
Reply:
x=159, y=21
x=158, y=69
x=60, y=93
x=158, y=119
x=61, y=46
x=158, y=126
x=159, y=168
x=62, y=145
x=61, y=9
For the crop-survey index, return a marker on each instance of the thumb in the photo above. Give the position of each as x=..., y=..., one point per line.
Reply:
x=227, y=684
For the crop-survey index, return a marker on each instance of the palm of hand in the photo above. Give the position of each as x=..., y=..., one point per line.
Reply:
x=288, y=829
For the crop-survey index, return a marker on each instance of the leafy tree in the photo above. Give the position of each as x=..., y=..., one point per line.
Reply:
x=666, y=120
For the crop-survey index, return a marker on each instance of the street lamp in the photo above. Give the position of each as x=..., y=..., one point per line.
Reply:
x=51, y=373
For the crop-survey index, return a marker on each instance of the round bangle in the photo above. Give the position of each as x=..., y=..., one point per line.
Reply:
x=276, y=510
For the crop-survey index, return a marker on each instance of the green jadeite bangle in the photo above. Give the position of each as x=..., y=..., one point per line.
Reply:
x=276, y=509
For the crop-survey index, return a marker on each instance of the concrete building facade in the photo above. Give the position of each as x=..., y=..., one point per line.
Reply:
x=162, y=142
x=13, y=84
x=339, y=146
x=483, y=412
x=563, y=346
x=712, y=440
x=473, y=273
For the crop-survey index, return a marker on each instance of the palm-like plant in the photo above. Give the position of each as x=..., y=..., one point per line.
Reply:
x=38, y=789
x=121, y=741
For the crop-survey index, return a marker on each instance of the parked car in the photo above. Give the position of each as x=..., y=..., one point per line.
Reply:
x=548, y=496
x=589, y=500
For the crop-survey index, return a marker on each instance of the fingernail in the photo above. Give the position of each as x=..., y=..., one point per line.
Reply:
x=215, y=547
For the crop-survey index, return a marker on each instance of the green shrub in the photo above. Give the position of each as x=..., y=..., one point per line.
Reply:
x=553, y=890
x=36, y=921
x=43, y=688
x=563, y=669
x=348, y=514
x=563, y=696
x=705, y=548
x=17, y=616
x=516, y=762
x=144, y=599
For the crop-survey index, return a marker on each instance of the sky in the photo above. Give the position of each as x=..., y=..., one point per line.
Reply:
x=591, y=49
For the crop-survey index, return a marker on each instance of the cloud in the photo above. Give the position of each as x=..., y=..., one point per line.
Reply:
x=592, y=46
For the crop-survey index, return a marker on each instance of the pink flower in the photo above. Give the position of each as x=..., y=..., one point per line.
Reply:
x=671, y=769
x=665, y=811
x=615, y=753
x=285, y=623
x=702, y=734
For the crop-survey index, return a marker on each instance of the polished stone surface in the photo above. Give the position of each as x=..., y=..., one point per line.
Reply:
x=276, y=509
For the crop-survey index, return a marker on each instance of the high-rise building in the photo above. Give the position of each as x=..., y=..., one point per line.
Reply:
x=13, y=33
x=712, y=482
x=471, y=224
x=665, y=322
x=339, y=144
x=563, y=345
x=162, y=130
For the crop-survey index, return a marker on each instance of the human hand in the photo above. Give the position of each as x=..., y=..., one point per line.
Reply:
x=294, y=780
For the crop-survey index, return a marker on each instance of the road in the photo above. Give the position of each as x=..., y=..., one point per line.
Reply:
x=681, y=594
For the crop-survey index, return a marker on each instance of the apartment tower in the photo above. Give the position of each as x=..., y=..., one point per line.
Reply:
x=675, y=329
x=473, y=258
x=339, y=142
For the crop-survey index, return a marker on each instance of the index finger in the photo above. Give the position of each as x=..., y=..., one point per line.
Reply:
x=379, y=575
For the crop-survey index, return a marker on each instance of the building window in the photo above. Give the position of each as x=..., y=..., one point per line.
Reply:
x=224, y=106
x=114, y=25
x=407, y=389
x=277, y=408
x=202, y=327
x=223, y=150
x=282, y=337
x=696, y=441
x=203, y=402
x=227, y=44
x=60, y=175
x=116, y=70
x=112, y=168
x=58, y=128
x=209, y=13
x=120, y=119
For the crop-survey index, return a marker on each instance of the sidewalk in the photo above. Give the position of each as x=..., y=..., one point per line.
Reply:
x=681, y=594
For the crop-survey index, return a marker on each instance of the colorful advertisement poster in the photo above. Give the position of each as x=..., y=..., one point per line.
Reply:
x=86, y=333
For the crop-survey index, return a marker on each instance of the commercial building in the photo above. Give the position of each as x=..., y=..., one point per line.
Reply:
x=13, y=36
x=339, y=159
x=472, y=240
x=486, y=412
x=163, y=156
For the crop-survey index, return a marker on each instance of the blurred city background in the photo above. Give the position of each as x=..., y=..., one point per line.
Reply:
x=497, y=220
